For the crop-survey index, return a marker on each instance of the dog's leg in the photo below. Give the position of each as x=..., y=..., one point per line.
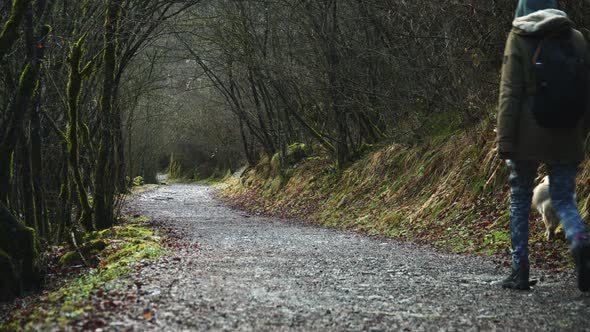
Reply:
x=549, y=232
x=553, y=221
x=548, y=221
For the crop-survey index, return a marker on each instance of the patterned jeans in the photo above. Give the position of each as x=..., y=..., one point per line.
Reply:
x=562, y=187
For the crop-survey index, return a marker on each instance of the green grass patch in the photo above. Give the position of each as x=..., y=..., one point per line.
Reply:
x=496, y=239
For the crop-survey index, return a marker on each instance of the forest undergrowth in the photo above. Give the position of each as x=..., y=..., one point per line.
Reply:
x=450, y=191
x=82, y=285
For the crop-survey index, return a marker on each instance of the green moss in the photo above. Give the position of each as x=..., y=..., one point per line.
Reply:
x=70, y=258
x=138, y=181
x=295, y=153
x=73, y=92
x=275, y=163
x=88, y=250
x=122, y=232
x=10, y=32
x=132, y=244
x=497, y=240
x=134, y=251
x=11, y=170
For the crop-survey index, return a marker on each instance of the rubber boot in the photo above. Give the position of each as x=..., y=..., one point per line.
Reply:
x=581, y=255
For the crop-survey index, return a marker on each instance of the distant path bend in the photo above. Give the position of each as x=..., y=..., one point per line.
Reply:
x=261, y=274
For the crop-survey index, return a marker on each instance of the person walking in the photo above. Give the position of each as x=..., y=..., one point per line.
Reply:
x=543, y=118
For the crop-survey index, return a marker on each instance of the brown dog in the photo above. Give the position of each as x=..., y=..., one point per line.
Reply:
x=542, y=202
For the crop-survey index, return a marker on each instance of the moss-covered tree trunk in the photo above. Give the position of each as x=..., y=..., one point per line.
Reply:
x=26, y=181
x=19, y=266
x=118, y=150
x=65, y=198
x=120, y=183
x=10, y=32
x=36, y=159
x=15, y=125
x=37, y=170
x=17, y=112
x=30, y=141
x=18, y=244
x=103, y=181
x=73, y=96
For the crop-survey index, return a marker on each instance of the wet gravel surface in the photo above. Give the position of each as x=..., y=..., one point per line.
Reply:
x=236, y=272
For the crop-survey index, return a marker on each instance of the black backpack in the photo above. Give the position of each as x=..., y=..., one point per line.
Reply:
x=561, y=79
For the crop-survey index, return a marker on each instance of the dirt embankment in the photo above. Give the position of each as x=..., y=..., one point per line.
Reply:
x=450, y=192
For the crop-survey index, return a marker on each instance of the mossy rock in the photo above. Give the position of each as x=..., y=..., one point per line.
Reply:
x=138, y=181
x=70, y=258
x=94, y=247
x=18, y=242
x=296, y=152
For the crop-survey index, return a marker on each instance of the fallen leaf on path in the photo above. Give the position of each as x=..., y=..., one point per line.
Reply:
x=148, y=314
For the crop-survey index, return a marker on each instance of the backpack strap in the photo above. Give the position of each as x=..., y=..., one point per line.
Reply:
x=538, y=50
x=540, y=46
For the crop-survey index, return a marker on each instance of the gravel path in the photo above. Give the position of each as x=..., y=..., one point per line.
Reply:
x=246, y=273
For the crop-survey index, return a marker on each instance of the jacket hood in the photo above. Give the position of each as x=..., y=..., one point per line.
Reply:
x=542, y=22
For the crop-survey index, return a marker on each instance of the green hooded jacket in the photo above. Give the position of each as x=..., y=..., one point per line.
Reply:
x=519, y=137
